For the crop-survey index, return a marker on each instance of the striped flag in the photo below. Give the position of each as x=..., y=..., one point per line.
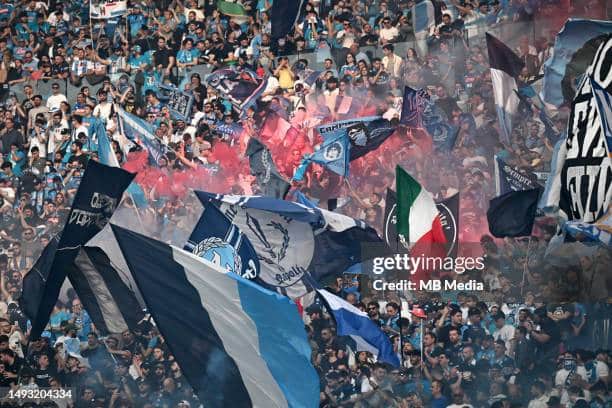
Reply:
x=418, y=218
x=352, y=322
x=111, y=305
x=505, y=68
x=238, y=344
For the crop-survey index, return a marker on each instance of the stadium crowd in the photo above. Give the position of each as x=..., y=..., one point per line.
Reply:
x=538, y=336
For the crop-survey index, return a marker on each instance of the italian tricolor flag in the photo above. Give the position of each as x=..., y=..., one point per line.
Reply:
x=418, y=219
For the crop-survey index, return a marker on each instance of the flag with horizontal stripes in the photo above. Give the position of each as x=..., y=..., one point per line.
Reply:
x=238, y=344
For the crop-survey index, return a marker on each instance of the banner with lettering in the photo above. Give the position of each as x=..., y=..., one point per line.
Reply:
x=509, y=178
x=107, y=8
x=581, y=183
x=98, y=196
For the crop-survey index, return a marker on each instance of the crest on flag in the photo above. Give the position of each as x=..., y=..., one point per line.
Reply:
x=358, y=134
x=449, y=218
x=218, y=241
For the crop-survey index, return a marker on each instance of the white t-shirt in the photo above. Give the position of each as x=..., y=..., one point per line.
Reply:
x=389, y=33
x=54, y=101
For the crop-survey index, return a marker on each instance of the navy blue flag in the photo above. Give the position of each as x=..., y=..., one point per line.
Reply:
x=296, y=245
x=364, y=134
x=142, y=133
x=95, y=201
x=284, y=15
x=509, y=178
x=513, y=214
x=419, y=112
x=241, y=87
x=217, y=240
x=413, y=106
x=238, y=344
x=271, y=182
x=575, y=47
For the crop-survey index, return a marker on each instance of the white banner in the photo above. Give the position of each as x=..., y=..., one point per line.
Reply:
x=107, y=8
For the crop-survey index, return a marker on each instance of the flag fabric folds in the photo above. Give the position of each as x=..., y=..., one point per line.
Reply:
x=573, y=50
x=284, y=15
x=413, y=106
x=603, y=100
x=296, y=245
x=241, y=87
x=333, y=154
x=509, y=178
x=238, y=345
x=513, y=214
x=418, y=218
x=599, y=232
x=217, y=240
x=352, y=322
x=232, y=9
x=364, y=134
x=580, y=184
x=141, y=132
x=99, y=193
x=111, y=304
x=505, y=68
x=263, y=168
x=109, y=158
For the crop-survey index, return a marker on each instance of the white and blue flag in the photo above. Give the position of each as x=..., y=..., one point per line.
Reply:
x=217, y=240
x=296, y=245
x=238, y=344
x=352, y=322
x=505, y=68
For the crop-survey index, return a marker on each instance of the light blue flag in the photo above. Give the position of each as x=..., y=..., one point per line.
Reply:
x=599, y=232
x=333, y=154
x=573, y=39
x=300, y=198
x=135, y=128
x=238, y=344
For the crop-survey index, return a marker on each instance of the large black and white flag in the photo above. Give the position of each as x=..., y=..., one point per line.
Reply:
x=99, y=193
x=580, y=184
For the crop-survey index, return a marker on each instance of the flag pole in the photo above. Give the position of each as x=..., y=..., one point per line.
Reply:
x=525, y=265
x=422, y=362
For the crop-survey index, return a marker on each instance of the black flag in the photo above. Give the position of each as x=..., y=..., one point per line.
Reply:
x=513, y=214
x=98, y=195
